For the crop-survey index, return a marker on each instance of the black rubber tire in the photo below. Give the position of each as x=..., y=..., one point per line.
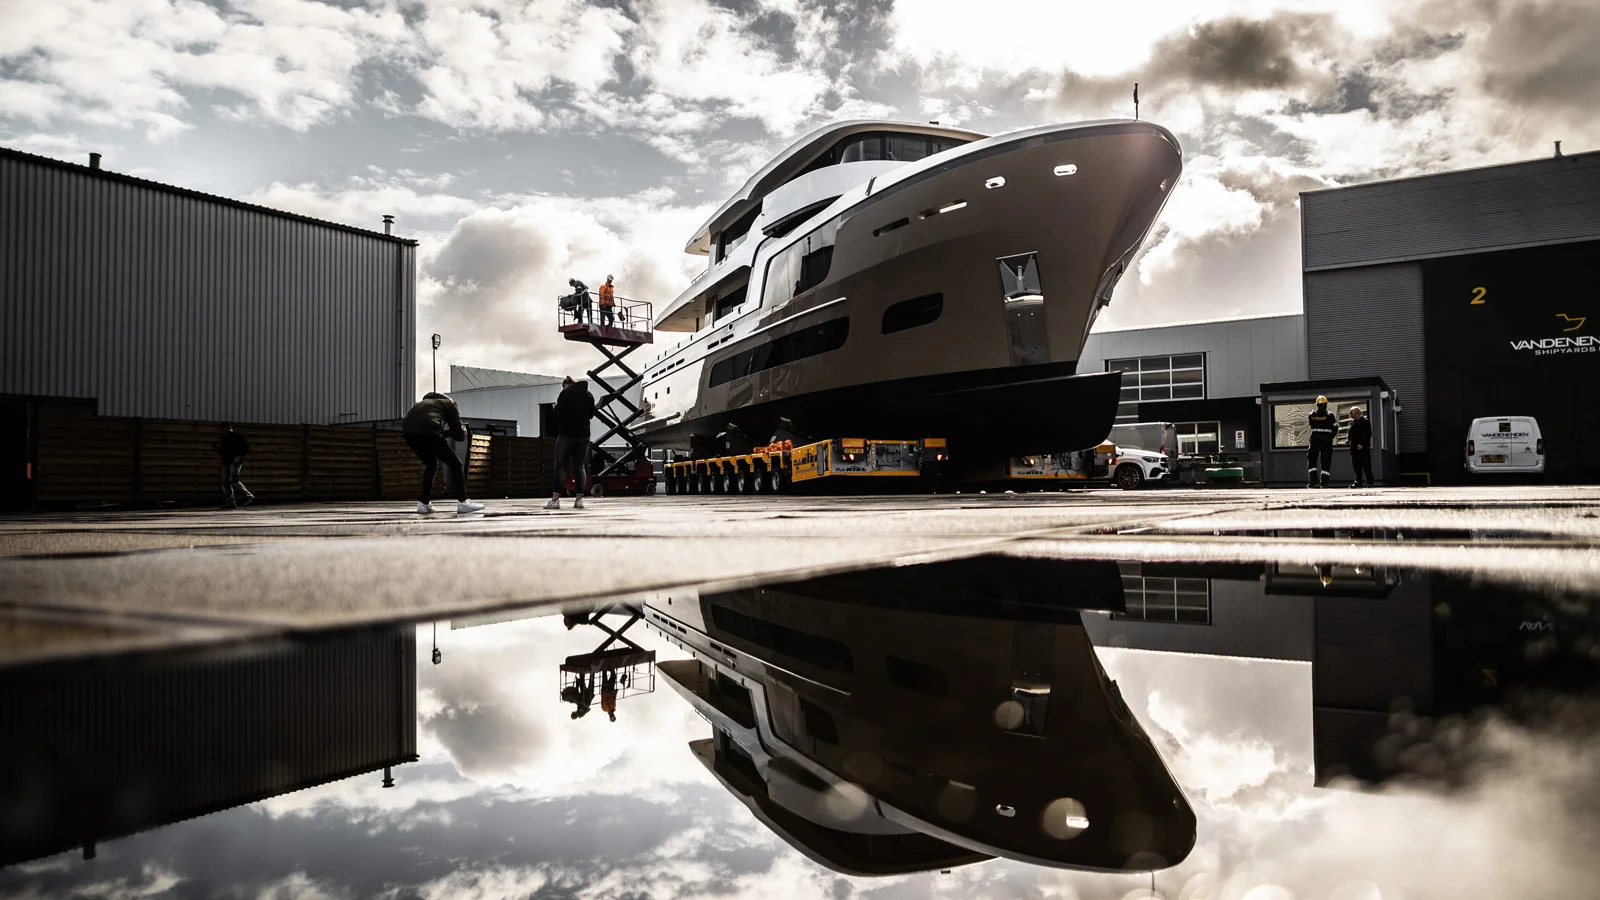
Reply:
x=649, y=488
x=780, y=481
x=1129, y=477
x=597, y=490
x=758, y=482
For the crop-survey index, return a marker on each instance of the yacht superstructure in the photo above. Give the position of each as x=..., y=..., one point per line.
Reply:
x=891, y=277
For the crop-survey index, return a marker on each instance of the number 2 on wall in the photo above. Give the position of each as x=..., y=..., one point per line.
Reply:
x=1478, y=295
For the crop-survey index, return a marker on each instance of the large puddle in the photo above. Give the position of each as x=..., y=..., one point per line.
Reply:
x=985, y=727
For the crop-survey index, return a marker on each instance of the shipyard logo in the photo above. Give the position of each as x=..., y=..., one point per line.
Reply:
x=1552, y=346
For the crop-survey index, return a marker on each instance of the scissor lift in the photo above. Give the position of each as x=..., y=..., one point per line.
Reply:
x=617, y=664
x=630, y=329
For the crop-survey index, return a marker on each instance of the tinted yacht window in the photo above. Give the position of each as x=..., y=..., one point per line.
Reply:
x=912, y=313
x=906, y=149
x=800, y=266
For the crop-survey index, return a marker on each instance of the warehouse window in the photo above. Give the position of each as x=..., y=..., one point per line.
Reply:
x=1292, y=430
x=1149, y=379
x=1177, y=600
x=1199, y=438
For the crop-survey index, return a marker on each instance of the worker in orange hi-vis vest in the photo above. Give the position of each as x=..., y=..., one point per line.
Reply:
x=608, y=303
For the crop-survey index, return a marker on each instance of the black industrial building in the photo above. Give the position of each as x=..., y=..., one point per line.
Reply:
x=1471, y=293
x=1429, y=301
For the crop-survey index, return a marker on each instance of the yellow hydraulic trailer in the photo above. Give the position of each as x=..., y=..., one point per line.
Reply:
x=778, y=469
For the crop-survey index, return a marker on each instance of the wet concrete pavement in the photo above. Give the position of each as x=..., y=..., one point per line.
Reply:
x=100, y=581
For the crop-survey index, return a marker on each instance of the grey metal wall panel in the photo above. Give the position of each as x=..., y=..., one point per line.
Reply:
x=1241, y=354
x=163, y=302
x=1523, y=204
x=1368, y=321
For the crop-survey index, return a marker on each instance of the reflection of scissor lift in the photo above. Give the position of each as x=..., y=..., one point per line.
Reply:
x=630, y=330
x=629, y=667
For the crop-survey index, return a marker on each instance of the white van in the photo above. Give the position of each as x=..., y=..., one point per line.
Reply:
x=1504, y=445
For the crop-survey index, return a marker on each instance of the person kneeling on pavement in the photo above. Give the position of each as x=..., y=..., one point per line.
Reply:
x=426, y=426
x=574, y=409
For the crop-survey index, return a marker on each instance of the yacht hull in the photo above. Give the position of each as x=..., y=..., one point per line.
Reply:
x=992, y=373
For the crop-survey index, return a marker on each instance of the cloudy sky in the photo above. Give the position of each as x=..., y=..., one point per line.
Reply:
x=512, y=798
x=523, y=142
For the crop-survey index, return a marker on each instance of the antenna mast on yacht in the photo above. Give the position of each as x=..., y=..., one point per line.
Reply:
x=1136, y=100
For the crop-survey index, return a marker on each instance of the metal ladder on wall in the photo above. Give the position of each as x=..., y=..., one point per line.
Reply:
x=629, y=331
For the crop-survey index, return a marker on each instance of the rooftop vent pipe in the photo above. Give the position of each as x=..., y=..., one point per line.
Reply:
x=388, y=224
x=94, y=159
x=1558, y=149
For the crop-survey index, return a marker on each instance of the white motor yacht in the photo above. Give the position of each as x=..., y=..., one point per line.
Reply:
x=892, y=279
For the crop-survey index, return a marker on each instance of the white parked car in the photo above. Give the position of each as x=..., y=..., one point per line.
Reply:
x=1134, y=468
x=1504, y=445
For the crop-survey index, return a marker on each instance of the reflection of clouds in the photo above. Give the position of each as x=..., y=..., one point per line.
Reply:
x=493, y=709
x=642, y=819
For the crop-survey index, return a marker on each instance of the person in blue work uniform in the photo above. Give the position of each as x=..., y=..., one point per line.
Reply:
x=1319, y=458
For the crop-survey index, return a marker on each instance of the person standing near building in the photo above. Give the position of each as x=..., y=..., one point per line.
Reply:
x=1319, y=459
x=425, y=427
x=233, y=447
x=1361, y=448
x=608, y=303
x=574, y=409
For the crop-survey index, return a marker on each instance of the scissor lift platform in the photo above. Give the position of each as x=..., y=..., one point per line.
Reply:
x=629, y=330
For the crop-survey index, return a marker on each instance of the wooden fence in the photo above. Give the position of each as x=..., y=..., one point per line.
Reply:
x=107, y=459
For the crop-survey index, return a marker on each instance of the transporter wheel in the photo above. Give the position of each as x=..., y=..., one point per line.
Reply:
x=727, y=483
x=1129, y=477
x=779, y=480
x=649, y=488
x=671, y=485
x=708, y=483
x=758, y=481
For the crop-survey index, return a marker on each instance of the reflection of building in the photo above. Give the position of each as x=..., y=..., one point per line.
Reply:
x=920, y=717
x=1381, y=642
x=96, y=750
x=1219, y=609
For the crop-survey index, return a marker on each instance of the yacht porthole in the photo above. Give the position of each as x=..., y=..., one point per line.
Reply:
x=1067, y=169
x=999, y=181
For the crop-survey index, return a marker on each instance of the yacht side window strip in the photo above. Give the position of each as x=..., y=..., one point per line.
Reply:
x=812, y=340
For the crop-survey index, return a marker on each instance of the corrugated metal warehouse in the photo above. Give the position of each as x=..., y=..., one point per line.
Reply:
x=154, y=300
x=1471, y=293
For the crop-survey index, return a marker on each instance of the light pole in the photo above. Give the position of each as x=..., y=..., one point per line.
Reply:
x=436, y=340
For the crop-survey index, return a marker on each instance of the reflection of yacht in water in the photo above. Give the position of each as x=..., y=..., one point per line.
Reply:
x=921, y=717
x=913, y=280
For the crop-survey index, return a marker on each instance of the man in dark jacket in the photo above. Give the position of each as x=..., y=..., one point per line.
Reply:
x=1361, y=448
x=233, y=448
x=574, y=409
x=425, y=427
x=1319, y=459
